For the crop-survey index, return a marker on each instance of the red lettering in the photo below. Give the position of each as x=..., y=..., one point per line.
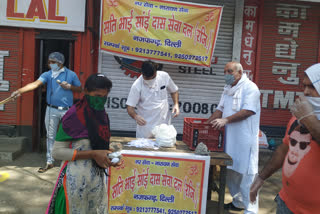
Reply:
x=10, y=10
x=52, y=11
x=36, y=9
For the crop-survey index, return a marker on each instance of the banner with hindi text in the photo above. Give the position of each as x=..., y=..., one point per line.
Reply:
x=159, y=182
x=159, y=30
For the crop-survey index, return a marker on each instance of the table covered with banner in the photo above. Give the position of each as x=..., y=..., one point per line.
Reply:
x=167, y=180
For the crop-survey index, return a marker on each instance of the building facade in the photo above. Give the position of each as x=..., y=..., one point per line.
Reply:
x=29, y=32
x=275, y=40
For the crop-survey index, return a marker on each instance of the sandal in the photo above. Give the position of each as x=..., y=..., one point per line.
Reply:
x=48, y=166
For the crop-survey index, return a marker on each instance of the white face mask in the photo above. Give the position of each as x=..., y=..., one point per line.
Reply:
x=54, y=67
x=150, y=83
x=315, y=102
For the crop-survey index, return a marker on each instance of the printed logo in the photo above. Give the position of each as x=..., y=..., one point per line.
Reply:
x=132, y=67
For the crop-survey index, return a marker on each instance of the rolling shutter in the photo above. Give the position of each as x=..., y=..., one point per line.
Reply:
x=199, y=88
x=289, y=44
x=10, y=62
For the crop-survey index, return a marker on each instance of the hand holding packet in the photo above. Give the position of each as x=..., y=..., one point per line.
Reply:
x=115, y=156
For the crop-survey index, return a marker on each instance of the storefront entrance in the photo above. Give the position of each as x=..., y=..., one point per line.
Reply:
x=43, y=48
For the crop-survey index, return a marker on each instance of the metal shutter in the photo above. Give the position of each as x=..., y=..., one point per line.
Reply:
x=200, y=88
x=276, y=96
x=10, y=61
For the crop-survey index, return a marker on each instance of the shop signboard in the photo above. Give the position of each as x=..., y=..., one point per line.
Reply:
x=288, y=45
x=66, y=15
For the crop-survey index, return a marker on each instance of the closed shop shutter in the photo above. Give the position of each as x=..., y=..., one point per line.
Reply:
x=288, y=45
x=10, y=65
x=200, y=88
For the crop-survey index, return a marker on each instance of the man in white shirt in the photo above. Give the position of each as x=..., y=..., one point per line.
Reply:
x=149, y=95
x=239, y=112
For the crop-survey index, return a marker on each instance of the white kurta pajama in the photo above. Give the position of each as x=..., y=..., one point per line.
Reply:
x=242, y=140
x=151, y=102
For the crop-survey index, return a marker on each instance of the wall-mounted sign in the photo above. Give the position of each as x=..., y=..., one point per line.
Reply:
x=46, y=14
x=165, y=31
x=288, y=46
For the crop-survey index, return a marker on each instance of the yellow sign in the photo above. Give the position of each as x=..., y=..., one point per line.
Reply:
x=165, y=31
x=154, y=183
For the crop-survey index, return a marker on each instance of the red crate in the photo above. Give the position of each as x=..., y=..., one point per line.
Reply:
x=195, y=131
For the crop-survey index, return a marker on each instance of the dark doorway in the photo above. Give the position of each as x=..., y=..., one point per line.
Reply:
x=43, y=48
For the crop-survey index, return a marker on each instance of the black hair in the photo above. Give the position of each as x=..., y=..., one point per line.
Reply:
x=148, y=69
x=97, y=81
x=298, y=127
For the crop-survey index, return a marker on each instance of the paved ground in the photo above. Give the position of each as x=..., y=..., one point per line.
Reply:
x=27, y=192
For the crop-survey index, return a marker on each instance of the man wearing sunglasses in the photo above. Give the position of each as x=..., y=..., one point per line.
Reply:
x=299, y=154
x=61, y=83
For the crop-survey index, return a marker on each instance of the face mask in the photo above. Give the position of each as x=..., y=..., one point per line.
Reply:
x=54, y=67
x=315, y=102
x=96, y=103
x=229, y=78
x=150, y=83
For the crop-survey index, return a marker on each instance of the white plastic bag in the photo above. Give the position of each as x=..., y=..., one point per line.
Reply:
x=263, y=142
x=165, y=135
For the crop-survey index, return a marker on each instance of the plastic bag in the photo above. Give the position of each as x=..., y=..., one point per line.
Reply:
x=165, y=135
x=263, y=142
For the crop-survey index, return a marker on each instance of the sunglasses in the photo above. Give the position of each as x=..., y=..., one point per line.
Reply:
x=302, y=145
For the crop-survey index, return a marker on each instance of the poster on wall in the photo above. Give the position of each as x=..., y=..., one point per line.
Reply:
x=159, y=182
x=159, y=30
x=46, y=14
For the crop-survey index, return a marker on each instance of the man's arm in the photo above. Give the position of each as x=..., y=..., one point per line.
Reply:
x=68, y=86
x=27, y=88
x=30, y=86
x=140, y=120
x=271, y=167
x=217, y=114
x=313, y=125
x=239, y=116
x=132, y=113
x=175, y=99
x=275, y=162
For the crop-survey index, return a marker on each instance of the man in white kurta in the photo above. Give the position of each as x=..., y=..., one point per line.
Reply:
x=149, y=95
x=239, y=112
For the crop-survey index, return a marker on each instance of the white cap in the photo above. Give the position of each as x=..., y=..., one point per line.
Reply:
x=313, y=73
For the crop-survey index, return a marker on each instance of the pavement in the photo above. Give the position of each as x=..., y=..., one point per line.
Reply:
x=25, y=191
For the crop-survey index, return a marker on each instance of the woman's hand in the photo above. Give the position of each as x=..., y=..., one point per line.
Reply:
x=101, y=158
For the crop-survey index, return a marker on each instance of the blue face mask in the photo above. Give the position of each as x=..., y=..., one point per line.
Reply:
x=54, y=67
x=229, y=78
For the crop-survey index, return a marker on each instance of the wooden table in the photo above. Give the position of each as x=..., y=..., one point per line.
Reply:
x=217, y=159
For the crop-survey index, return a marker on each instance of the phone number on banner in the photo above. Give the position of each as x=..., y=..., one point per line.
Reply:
x=166, y=54
x=162, y=210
